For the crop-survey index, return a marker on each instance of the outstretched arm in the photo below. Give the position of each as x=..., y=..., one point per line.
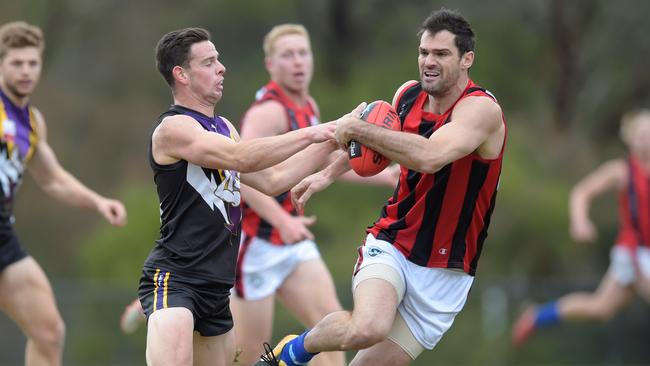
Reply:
x=339, y=168
x=317, y=182
x=64, y=187
x=387, y=177
x=476, y=126
x=180, y=137
x=292, y=229
x=610, y=175
x=282, y=177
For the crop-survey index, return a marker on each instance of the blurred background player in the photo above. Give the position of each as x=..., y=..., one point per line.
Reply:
x=418, y=262
x=629, y=269
x=25, y=292
x=278, y=255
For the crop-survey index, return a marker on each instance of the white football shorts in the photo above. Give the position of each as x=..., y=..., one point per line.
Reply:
x=431, y=297
x=264, y=266
x=625, y=265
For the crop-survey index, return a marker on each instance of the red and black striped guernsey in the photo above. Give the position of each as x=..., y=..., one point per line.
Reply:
x=634, y=207
x=297, y=117
x=440, y=220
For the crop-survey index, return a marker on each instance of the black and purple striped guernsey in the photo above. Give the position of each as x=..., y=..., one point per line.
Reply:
x=199, y=216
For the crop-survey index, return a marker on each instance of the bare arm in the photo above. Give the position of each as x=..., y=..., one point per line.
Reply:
x=182, y=138
x=287, y=174
x=291, y=228
x=476, y=125
x=610, y=175
x=64, y=187
x=262, y=120
x=387, y=177
x=317, y=182
x=281, y=177
x=339, y=167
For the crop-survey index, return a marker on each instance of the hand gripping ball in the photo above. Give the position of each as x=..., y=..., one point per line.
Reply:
x=363, y=160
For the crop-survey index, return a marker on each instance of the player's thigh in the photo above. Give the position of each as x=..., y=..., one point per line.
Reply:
x=309, y=292
x=615, y=289
x=214, y=351
x=377, y=286
x=253, y=321
x=385, y=353
x=612, y=294
x=375, y=305
x=27, y=297
x=170, y=336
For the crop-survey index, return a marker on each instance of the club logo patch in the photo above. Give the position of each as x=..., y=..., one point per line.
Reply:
x=256, y=281
x=374, y=251
x=223, y=196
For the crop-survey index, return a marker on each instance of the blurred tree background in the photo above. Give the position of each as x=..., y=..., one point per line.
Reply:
x=564, y=71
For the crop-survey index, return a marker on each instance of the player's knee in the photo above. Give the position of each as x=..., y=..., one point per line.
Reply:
x=365, y=335
x=49, y=335
x=180, y=356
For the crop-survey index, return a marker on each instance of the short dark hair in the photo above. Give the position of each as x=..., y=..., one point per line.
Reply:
x=453, y=22
x=174, y=47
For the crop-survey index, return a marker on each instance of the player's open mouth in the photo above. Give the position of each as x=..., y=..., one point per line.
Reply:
x=432, y=74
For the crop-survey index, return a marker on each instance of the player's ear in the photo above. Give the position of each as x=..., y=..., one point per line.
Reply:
x=180, y=75
x=466, y=60
x=268, y=63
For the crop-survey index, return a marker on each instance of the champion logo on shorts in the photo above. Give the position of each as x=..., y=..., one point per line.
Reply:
x=374, y=251
x=442, y=251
